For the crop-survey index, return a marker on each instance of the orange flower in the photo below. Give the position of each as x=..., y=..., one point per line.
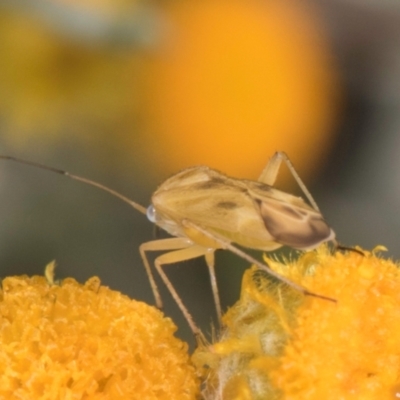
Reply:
x=73, y=341
x=279, y=344
x=234, y=80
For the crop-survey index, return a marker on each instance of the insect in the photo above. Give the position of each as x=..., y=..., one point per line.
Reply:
x=205, y=210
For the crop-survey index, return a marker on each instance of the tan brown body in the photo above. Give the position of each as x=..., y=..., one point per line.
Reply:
x=250, y=213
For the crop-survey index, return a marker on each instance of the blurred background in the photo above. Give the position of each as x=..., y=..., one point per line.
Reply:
x=129, y=92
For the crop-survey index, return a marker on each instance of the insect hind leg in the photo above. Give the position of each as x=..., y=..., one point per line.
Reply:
x=347, y=248
x=264, y=266
x=270, y=173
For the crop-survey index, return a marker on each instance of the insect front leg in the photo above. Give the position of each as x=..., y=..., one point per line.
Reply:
x=270, y=173
x=160, y=245
x=186, y=251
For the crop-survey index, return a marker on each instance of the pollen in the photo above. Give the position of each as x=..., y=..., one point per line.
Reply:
x=73, y=341
x=279, y=344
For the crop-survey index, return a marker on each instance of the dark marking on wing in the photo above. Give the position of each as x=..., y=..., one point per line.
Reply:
x=293, y=212
x=213, y=183
x=293, y=226
x=227, y=205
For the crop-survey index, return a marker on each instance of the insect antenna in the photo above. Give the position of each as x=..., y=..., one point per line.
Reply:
x=89, y=182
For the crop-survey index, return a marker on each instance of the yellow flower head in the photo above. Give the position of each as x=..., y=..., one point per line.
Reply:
x=73, y=341
x=279, y=344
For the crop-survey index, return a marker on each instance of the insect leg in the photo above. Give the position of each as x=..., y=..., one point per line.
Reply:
x=209, y=256
x=172, y=257
x=346, y=248
x=160, y=245
x=236, y=250
x=270, y=173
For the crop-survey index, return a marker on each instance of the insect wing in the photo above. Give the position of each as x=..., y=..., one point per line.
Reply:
x=218, y=203
x=289, y=219
x=211, y=203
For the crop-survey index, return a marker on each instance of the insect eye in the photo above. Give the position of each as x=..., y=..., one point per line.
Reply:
x=151, y=214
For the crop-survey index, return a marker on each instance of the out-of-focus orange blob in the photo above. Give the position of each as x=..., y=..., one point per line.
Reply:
x=236, y=80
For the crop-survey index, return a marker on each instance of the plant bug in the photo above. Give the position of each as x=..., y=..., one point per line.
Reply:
x=205, y=210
